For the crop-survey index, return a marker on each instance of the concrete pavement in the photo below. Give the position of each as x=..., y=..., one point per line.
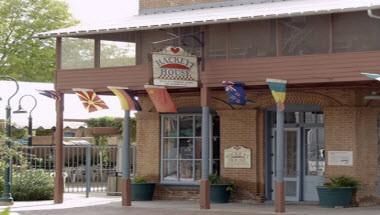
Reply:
x=104, y=205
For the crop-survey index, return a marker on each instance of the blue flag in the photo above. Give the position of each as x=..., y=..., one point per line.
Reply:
x=235, y=92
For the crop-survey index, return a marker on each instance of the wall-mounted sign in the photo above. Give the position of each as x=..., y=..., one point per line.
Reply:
x=237, y=157
x=175, y=67
x=340, y=158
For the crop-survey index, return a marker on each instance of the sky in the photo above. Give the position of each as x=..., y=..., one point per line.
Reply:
x=95, y=11
x=87, y=12
x=44, y=114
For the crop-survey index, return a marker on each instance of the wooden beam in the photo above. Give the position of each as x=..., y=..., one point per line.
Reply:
x=278, y=38
x=205, y=96
x=97, y=53
x=58, y=56
x=331, y=34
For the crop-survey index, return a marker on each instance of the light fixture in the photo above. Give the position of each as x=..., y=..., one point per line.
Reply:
x=20, y=110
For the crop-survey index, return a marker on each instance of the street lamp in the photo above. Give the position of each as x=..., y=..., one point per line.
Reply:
x=30, y=119
x=7, y=194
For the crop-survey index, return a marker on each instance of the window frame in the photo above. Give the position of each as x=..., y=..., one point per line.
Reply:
x=178, y=159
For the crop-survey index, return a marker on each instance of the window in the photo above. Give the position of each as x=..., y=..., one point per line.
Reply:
x=190, y=40
x=355, y=32
x=78, y=53
x=114, y=53
x=181, y=148
x=150, y=38
x=252, y=39
x=315, y=151
x=217, y=41
x=304, y=35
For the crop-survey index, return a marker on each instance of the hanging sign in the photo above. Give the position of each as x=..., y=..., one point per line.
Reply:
x=237, y=157
x=175, y=67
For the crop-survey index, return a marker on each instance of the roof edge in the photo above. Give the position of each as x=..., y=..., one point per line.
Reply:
x=199, y=6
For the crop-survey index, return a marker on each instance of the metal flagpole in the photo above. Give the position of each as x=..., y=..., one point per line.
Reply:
x=204, y=183
x=278, y=89
x=126, y=175
x=280, y=188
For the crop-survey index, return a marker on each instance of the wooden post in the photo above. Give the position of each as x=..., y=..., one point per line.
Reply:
x=204, y=183
x=58, y=133
x=97, y=51
x=58, y=141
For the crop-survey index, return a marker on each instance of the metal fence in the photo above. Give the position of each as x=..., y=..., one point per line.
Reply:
x=85, y=166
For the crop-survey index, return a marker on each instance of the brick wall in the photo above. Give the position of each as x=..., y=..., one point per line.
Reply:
x=238, y=128
x=355, y=129
x=150, y=4
x=349, y=125
x=148, y=146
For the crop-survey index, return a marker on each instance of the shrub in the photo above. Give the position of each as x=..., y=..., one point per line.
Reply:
x=342, y=181
x=6, y=211
x=44, y=132
x=216, y=179
x=139, y=180
x=32, y=185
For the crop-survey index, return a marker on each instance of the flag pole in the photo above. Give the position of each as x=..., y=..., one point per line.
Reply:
x=126, y=175
x=278, y=89
x=280, y=188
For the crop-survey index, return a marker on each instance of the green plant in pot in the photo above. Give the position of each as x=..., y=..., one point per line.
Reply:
x=142, y=190
x=220, y=190
x=340, y=191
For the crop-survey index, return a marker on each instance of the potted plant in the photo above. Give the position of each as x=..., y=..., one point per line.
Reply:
x=338, y=192
x=142, y=190
x=220, y=190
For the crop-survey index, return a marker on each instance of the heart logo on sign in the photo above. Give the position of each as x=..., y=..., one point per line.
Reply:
x=175, y=50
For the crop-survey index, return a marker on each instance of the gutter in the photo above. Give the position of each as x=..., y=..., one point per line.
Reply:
x=372, y=15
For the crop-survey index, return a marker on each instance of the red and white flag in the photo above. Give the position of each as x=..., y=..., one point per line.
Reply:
x=90, y=100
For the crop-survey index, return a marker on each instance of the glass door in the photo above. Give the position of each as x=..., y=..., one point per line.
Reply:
x=292, y=152
x=314, y=164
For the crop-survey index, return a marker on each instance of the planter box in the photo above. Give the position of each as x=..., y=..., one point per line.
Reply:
x=143, y=192
x=140, y=192
x=333, y=197
x=219, y=193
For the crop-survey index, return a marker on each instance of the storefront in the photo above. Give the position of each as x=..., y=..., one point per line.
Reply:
x=331, y=126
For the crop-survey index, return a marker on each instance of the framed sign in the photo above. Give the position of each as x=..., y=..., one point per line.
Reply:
x=340, y=158
x=237, y=157
x=175, y=67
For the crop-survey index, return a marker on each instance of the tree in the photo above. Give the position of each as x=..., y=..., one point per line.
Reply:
x=21, y=55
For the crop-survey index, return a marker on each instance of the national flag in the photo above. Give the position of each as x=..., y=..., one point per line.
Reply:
x=278, y=88
x=126, y=97
x=50, y=94
x=161, y=99
x=90, y=100
x=372, y=75
x=235, y=92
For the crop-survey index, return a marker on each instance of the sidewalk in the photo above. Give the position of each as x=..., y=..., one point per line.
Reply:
x=104, y=205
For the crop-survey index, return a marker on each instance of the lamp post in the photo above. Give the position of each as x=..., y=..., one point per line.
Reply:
x=7, y=194
x=30, y=119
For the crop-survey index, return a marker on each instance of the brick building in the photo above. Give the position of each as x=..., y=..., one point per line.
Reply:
x=319, y=47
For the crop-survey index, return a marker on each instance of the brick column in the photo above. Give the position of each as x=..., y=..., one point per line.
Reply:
x=148, y=145
x=238, y=128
